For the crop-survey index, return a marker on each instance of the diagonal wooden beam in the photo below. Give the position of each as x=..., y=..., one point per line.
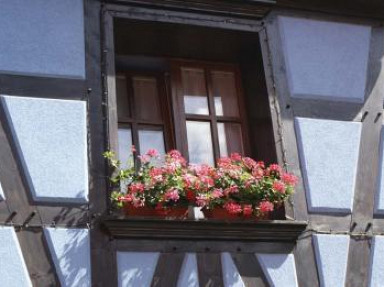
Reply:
x=250, y=270
x=167, y=270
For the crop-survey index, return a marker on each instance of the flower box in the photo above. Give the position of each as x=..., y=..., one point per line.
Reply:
x=237, y=188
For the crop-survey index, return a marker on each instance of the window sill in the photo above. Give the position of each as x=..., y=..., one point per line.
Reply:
x=151, y=228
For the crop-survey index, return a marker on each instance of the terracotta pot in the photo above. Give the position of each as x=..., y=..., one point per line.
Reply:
x=175, y=212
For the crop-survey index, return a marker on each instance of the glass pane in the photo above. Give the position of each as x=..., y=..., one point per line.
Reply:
x=147, y=104
x=125, y=146
x=230, y=138
x=122, y=97
x=194, y=91
x=200, y=148
x=225, y=94
x=151, y=139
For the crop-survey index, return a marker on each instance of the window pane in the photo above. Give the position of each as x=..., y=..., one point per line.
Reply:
x=230, y=138
x=122, y=97
x=147, y=104
x=151, y=139
x=194, y=91
x=225, y=94
x=200, y=148
x=125, y=145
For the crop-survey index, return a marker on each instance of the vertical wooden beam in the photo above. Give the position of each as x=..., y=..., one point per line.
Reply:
x=167, y=270
x=250, y=270
x=210, y=270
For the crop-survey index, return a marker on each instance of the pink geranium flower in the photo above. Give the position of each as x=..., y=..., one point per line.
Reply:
x=289, y=179
x=172, y=194
x=152, y=153
x=232, y=207
x=279, y=186
x=247, y=209
x=266, y=206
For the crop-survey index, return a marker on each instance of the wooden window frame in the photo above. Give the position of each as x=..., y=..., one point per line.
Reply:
x=179, y=111
x=136, y=124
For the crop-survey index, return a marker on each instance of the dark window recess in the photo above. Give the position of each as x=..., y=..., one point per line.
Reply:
x=208, y=105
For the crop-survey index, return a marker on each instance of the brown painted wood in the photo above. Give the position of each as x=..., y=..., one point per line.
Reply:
x=250, y=270
x=267, y=231
x=102, y=105
x=210, y=270
x=358, y=262
x=246, y=8
x=305, y=262
x=43, y=87
x=167, y=270
x=37, y=257
x=169, y=246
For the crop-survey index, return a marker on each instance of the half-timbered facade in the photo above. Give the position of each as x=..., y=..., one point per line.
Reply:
x=295, y=82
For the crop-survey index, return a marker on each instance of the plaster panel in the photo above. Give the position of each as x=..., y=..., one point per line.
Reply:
x=231, y=275
x=332, y=258
x=329, y=153
x=279, y=269
x=42, y=38
x=325, y=60
x=51, y=138
x=188, y=274
x=70, y=251
x=379, y=198
x=376, y=277
x=13, y=271
x=136, y=268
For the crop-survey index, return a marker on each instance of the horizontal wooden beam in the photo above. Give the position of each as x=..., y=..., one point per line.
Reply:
x=243, y=8
x=258, y=231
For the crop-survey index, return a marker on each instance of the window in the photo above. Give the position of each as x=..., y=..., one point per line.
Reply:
x=207, y=111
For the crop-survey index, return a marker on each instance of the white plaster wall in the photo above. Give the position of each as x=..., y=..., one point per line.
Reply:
x=42, y=38
x=136, y=268
x=332, y=258
x=376, y=276
x=325, y=60
x=231, y=275
x=70, y=251
x=189, y=274
x=280, y=269
x=13, y=271
x=51, y=137
x=329, y=152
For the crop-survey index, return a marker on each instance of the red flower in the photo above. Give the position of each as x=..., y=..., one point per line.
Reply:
x=249, y=163
x=217, y=193
x=152, y=153
x=172, y=194
x=274, y=169
x=247, y=209
x=232, y=207
x=279, y=186
x=266, y=206
x=136, y=187
x=289, y=179
x=235, y=156
x=190, y=195
x=258, y=172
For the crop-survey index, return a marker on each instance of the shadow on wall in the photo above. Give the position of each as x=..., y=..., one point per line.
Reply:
x=70, y=250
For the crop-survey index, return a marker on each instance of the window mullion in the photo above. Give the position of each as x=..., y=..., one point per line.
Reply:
x=212, y=112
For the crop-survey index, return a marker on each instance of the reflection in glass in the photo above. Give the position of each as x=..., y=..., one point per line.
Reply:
x=122, y=97
x=125, y=146
x=150, y=139
x=199, y=137
x=196, y=105
x=146, y=97
x=222, y=140
x=230, y=138
x=194, y=91
x=225, y=93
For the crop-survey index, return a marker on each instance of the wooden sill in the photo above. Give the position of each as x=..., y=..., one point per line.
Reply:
x=152, y=228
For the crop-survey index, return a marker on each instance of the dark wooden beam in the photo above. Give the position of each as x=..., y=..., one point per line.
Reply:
x=267, y=231
x=244, y=8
